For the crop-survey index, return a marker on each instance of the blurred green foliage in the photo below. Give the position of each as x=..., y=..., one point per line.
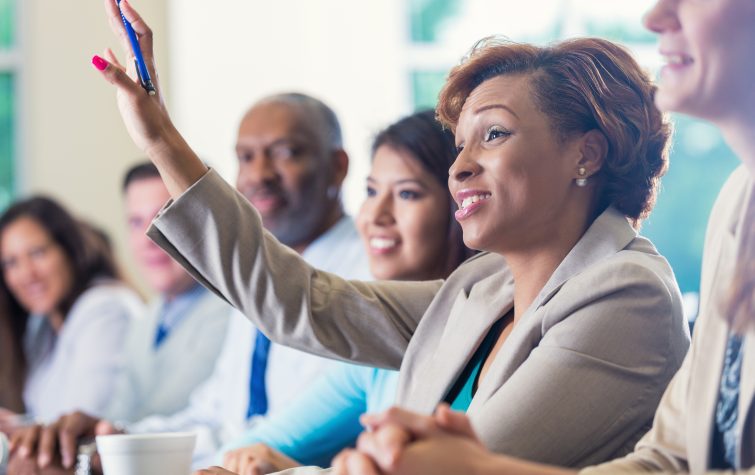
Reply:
x=427, y=16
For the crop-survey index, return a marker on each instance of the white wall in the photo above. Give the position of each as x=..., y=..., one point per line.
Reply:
x=73, y=145
x=227, y=54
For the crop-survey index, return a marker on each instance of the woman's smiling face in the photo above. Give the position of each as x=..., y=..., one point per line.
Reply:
x=404, y=221
x=512, y=178
x=707, y=45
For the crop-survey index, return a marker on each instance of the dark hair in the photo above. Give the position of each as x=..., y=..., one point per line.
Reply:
x=90, y=255
x=582, y=84
x=140, y=171
x=433, y=146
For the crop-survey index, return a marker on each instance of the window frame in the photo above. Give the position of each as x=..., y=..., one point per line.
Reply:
x=11, y=62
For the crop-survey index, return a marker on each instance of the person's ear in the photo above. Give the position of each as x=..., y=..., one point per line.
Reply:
x=340, y=164
x=593, y=152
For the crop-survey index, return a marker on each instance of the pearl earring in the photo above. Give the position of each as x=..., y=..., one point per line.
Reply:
x=582, y=180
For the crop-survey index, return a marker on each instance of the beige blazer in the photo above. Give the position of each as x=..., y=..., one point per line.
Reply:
x=576, y=383
x=681, y=435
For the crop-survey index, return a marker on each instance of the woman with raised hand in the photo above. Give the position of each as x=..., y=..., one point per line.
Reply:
x=407, y=225
x=705, y=422
x=566, y=328
x=63, y=312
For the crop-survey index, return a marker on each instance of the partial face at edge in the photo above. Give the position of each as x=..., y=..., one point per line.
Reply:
x=708, y=46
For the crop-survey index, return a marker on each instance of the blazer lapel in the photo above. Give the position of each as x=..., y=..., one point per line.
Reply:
x=469, y=321
x=608, y=234
x=704, y=391
x=711, y=352
x=747, y=378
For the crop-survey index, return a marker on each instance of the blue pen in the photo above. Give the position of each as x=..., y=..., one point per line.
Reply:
x=141, y=66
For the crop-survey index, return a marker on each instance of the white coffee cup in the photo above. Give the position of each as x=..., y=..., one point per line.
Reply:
x=146, y=454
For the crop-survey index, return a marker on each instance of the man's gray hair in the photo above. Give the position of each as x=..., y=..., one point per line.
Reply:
x=328, y=124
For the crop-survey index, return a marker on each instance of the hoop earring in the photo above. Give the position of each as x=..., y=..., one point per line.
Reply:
x=582, y=180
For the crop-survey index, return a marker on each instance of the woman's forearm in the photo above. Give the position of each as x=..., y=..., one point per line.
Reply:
x=177, y=163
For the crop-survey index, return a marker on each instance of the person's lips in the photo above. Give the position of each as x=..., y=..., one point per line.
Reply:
x=35, y=290
x=380, y=245
x=675, y=62
x=469, y=202
x=266, y=201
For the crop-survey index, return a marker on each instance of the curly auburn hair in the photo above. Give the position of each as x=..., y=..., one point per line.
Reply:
x=581, y=84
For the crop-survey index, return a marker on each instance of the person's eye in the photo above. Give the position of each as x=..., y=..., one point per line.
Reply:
x=371, y=192
x=244, y=157
x=38, y=251
x=409, y=195
x=283, y=152
x=496, y=132
x=459, y=149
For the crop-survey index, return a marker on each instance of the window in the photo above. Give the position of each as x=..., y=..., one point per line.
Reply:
x=8, y=67
x=442, y=30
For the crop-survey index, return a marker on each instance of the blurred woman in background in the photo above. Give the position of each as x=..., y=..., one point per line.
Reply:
x=63, y=312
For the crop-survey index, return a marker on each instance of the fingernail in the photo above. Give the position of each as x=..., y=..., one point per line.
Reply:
x=43, y=460
x=23, y=451
x=67, y=462
x=99, y=63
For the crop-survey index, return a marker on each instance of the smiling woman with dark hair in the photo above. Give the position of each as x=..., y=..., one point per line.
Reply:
x=63, y=312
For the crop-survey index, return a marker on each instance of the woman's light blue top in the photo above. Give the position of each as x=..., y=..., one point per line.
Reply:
x=325, y=419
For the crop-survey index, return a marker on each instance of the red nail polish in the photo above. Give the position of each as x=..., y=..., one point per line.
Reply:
x=99, y=63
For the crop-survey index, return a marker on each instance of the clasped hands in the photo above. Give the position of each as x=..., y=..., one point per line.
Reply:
x=400, y=442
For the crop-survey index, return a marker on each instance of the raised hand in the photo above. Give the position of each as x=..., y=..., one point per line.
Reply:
x=145, y=116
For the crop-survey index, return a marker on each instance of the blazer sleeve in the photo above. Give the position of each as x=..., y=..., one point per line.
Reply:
x=611, y=342
x=663, y=449
x=218, y=237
